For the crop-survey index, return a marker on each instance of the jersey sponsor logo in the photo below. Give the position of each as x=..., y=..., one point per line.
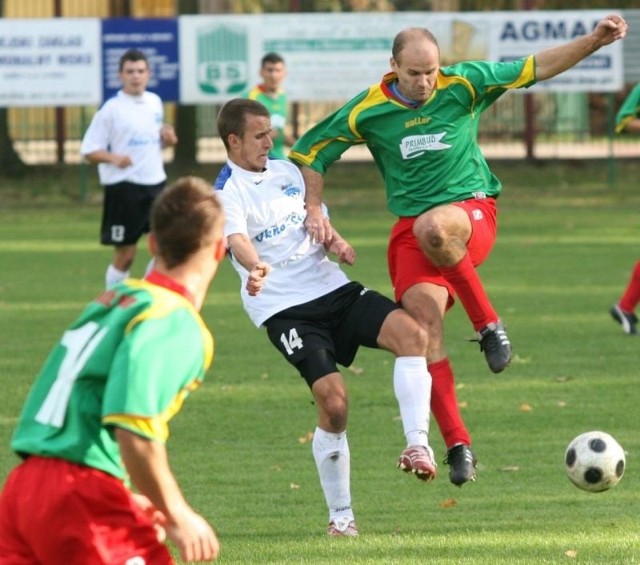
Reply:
x=144, y=139
x=419, y=121
x=293, y=219
x=415, y=145
x=290, y=190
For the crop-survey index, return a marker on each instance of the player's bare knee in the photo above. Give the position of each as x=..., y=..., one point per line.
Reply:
x=414, y=340
x=403, y=336
x=420, y=338
x=429, y=232
x=334, y=412
x=338, y=419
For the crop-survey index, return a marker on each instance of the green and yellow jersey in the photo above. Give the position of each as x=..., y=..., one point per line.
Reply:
x=129, y=360
x=428, y=155
x=630, y=109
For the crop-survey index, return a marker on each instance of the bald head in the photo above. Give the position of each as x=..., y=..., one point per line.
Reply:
x=411, y=35
x=415, y=60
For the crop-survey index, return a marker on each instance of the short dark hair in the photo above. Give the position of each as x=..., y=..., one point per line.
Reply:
x=185, y=217
x=231, y=117
x=271, y=58
x=132, y=55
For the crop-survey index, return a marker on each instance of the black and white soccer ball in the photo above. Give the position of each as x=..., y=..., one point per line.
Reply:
x=594, y=461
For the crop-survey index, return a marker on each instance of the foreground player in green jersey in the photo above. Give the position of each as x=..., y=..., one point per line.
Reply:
x=420, y=124
x=97, y=415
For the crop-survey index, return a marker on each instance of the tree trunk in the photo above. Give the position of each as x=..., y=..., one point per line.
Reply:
x=186, y=127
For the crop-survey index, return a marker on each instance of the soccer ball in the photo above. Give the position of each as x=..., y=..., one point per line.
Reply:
x=594, y=461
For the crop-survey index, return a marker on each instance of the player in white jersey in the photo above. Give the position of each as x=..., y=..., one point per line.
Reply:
x=314, y=315
x=125, y=138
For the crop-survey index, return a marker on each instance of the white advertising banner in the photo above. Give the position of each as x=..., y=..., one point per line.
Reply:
x=334, y=56
x=53, y=62
x=517, y=34
x=58, y=62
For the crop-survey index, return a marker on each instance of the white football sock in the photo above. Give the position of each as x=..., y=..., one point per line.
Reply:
x=114, y=276
x=412, y=387
x=333, y=460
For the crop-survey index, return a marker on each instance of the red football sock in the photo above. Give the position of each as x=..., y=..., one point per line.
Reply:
x=467, y=284
x=444, y=405
x=631, y=295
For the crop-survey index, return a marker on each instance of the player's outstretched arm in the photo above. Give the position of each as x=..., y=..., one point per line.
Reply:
x=148, y=466
x=245, y=253
x=556, y=60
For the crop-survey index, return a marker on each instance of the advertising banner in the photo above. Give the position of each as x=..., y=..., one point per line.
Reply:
x=334, y=56
x=204, y=59
x=156, y=38
x=50, y=62
x=517, y=34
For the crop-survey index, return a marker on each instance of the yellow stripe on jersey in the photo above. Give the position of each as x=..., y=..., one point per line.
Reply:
x=526, y=76
x=445, y=81
x=156, y=427
x=308, y=158
x=254, y=93
x=165, y=302
x=623, y=123
x=374, y=97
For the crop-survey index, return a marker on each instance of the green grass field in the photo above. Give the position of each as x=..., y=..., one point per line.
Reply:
x=567, y=242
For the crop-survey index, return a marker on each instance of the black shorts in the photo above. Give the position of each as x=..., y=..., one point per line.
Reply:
x=339, y=322
x=125, y=213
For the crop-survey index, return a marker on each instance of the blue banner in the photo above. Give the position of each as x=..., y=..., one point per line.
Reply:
x=157, y=39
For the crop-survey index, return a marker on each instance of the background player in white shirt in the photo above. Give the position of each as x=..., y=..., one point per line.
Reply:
x=314, y=315
x=125, y=138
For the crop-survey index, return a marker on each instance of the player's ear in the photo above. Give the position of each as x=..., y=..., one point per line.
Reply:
x=220, y=249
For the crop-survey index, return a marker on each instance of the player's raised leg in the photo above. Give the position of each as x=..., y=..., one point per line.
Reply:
x=443, y=233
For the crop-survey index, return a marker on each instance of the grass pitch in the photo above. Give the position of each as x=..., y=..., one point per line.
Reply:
x=240, y=447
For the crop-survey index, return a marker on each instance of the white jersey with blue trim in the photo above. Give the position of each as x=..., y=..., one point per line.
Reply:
x=268, y=207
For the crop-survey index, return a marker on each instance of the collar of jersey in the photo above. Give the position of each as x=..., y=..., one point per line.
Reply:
x=389, y=86
x=154, y=277
x=254, y=177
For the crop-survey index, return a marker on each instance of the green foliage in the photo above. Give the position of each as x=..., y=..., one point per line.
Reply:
x=240, y=446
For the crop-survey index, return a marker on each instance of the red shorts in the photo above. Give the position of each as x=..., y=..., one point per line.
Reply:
x=408, y=265
x=53, y=512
